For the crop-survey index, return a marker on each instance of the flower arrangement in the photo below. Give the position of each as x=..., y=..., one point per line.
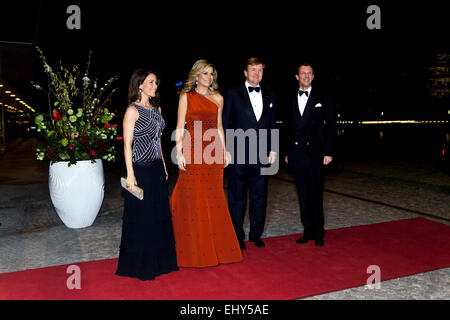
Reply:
x=79, y=124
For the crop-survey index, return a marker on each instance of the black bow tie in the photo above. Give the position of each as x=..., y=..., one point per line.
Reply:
x=251, y=89
x=300, y=92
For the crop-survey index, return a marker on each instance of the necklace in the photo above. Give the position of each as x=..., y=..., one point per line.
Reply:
x=203, y=94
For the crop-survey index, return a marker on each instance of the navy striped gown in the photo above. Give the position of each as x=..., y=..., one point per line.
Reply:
x=147, y=247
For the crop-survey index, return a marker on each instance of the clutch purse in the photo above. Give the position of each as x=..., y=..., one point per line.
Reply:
x=137, y=192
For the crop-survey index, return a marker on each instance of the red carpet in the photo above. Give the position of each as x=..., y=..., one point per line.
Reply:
x=283, y=270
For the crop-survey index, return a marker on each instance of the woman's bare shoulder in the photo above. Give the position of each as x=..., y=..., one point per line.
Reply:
x=218, y=98
x=131, y=112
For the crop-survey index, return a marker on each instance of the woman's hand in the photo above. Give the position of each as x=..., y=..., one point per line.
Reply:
x=167, y=175
x=227, y=159
x=131, y=182
x=181, y=162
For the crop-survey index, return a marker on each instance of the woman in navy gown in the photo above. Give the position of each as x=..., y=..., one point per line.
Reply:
x=147, y=247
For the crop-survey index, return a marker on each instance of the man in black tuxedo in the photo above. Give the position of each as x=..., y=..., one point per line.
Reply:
x=249, y=111
x=311, y=136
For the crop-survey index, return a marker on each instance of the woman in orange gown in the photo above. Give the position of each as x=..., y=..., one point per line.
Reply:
x=204, y=233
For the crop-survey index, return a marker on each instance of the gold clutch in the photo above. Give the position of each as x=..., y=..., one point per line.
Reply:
x=137, y=192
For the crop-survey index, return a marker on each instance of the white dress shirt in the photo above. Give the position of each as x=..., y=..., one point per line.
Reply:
x=302, y=100
x=256, y=100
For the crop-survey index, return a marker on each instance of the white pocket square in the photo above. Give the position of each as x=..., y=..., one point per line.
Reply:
x=318, y=105
x=271, y=105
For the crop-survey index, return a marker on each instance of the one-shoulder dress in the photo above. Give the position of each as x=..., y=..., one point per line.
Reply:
x=204, y=233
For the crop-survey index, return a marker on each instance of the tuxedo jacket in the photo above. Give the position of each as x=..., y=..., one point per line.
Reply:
x=238, y=114
x=311, y=136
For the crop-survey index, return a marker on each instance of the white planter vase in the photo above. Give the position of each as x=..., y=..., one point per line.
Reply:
x=77, y=191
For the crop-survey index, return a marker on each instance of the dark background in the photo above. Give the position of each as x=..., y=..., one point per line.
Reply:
x=367, y=71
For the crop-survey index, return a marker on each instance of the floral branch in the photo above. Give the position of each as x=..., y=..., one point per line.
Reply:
x=70, y=133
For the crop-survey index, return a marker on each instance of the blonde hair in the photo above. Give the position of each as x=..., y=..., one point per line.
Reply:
x=198, y=67
x=254, y=61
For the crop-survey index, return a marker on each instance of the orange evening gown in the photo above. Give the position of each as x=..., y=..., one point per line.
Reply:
x=204, y=233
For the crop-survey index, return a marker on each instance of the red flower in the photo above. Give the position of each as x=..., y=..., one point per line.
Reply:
x=101, y=147
x=50, y=154
x=114, y=125
x=84, y=141
x=56, y=115
x=107, y=125
x=92, y=153
x=71, y=147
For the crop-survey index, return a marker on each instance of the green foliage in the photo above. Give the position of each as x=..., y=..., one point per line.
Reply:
x=84, y=134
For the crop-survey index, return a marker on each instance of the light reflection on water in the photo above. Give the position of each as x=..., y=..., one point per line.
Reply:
x=385, y=142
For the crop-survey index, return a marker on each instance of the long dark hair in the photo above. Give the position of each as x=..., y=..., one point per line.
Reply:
x=136, y=80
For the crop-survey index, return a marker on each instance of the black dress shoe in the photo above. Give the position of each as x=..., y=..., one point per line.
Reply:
x=258, y=242
x=242, y=245
x=320, y=242
x=302, y=240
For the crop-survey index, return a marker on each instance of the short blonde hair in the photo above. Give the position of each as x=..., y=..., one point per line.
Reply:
x=254, y=61
x=198, y=67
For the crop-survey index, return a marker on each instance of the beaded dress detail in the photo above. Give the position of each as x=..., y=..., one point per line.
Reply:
x=204, y=233
x=147, y=135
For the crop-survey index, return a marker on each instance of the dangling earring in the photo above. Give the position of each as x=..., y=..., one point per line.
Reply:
x=196, y=82
x=140, y=96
